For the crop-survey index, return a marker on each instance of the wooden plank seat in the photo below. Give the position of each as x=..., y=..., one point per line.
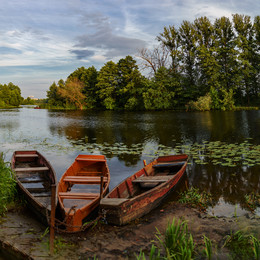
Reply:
x=90, y=160
x=33, y=155
x=152, y=179
x=84, y=179
x=78, y=196
x=32, y=169
x=171, y=164
x=32, y=179
x=112, y=201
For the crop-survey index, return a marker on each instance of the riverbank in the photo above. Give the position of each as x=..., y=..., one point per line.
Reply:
x=26, y=235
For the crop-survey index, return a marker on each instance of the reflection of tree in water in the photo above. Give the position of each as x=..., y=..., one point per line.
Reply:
x=231, y=183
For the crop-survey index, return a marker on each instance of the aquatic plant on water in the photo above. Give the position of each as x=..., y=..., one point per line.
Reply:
x=252, y=200
x=195, y=198
x=7, y=185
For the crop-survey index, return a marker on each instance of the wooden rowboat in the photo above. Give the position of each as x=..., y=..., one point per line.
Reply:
x=143, y=191
x=80, y=189
x=34, y=176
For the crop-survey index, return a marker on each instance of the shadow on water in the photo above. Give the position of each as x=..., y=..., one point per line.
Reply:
x=126, y=138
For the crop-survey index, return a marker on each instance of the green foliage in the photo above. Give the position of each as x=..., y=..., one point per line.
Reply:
x=10, y=95
x=177, y=242
x=202, y=104
x=195, y=198
x=252, y=200
x=220, y=58
x=240, y=245
x=208, y=248
x=7, y=185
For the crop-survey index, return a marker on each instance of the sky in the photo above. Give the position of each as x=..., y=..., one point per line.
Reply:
x=44, y=41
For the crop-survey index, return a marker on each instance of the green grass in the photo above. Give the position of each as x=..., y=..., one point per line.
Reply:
x=195, y=198
x=7, y=185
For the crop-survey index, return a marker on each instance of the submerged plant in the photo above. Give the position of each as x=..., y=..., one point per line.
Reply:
x=195, y=198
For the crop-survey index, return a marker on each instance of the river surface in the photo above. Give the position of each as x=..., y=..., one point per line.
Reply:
x=224, y=147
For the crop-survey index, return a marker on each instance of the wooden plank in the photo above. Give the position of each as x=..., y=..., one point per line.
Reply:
x=80, y=196
x=42, y=194
x=112, y=201
x=32, y=179
x=36, y=190
x=84, y=179
x=82, y=172
x=90, y=160
x=31, y=169
x=152, y=179
x=27, y=155
x=169, y=164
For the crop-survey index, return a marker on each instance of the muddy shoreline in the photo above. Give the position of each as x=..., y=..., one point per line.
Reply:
x=24, y=236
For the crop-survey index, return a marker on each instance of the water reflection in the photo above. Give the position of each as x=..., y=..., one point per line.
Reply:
x=126, y=138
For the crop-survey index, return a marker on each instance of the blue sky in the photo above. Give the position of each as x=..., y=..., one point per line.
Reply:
x=44, y=41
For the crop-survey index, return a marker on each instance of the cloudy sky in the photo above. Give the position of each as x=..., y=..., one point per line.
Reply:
x=44, y=41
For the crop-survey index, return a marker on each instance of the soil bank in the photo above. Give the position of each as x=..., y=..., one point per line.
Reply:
x=23, y=235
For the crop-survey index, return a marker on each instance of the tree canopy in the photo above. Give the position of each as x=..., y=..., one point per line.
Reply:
x=218, y=60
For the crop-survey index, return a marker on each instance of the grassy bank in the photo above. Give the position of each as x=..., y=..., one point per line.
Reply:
x=7, y=185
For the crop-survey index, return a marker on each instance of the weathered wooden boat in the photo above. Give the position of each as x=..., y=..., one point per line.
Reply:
x=80, y=189
x=143, y=191
x=34, y=176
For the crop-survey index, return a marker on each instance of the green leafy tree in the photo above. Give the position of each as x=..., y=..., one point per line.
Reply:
x=188, y=60
x=247, y=56
x=72, y=92
x=107, y=85
x=10, y=95
x=54, y=98
x=130, y=84
x=162, y=91
x=88, y=76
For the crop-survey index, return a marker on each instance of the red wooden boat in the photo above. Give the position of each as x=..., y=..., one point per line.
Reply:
x=143, y=191
x=34, y=176
x=80, y=189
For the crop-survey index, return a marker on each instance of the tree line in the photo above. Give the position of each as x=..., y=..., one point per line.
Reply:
x=201, y=65
x=10, y=96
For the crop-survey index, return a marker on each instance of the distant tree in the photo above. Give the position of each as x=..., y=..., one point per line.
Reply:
x=130, y=84
x=107, y=85
x=248, y=56
x=187, y=38
x=72, y=91
x=170, y=39
x=88, y=76
x=162, y=91
x=10, y=95
x=154, y=59
x=54, y=98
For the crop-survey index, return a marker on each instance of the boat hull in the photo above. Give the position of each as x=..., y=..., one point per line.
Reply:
x=90, y=175
x=120, y=211
x=34, y=183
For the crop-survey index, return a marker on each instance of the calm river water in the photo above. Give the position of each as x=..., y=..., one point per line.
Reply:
x=223, y=146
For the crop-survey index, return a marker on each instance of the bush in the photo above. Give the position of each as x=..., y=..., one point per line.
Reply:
x=202, y=104
x=7, y=185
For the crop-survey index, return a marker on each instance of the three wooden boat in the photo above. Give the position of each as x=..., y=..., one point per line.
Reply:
x=80, y=189
x=143, y=191
x=34, y=176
